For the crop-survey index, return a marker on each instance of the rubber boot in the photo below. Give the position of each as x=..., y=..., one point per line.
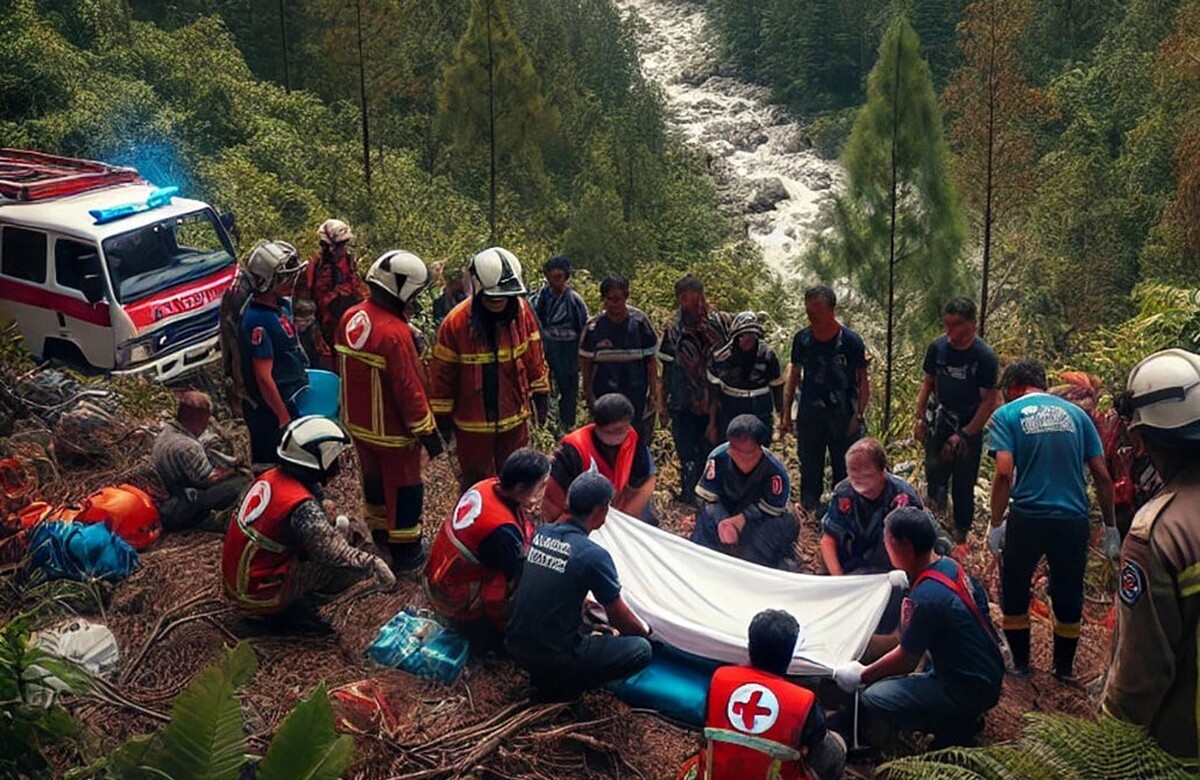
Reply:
x=1018, y=644
x=1064, y=657
x=408, y=556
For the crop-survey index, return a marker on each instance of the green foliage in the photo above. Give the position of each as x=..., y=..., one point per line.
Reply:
x=1051, y=747
x=27, y=729
x=901, y=115
x=306, y=745
x=205, y=737
x=490, y=97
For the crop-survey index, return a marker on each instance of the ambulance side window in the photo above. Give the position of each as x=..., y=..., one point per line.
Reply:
x=70, y=262
x=23, y=254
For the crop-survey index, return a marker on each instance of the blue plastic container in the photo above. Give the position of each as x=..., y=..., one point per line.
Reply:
x=323, y=396
x=421, y=646
x=675, y=684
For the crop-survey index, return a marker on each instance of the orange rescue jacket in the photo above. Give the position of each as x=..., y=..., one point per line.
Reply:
x=459, y=358
x=617, y=473
x=384, y=400
x=458, y=584
x=753, y=725
x=259, y=554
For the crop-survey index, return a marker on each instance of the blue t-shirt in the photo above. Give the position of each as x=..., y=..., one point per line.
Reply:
x=764, y=491
x=857, y=523
x=561, y=317
x=830, y=369
x=563, y=564
x=934, y=618
x=267, y=332
x=1050, y=440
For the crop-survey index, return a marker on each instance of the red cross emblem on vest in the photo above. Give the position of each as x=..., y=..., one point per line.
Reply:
x=753, y=708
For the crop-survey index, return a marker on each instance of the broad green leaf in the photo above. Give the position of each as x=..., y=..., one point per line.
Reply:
x=204, y=740
x=306, y=745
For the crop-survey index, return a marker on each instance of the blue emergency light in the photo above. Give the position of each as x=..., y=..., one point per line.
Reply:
x=158, y=198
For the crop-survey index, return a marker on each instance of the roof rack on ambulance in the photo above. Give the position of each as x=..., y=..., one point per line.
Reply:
x=27, y=176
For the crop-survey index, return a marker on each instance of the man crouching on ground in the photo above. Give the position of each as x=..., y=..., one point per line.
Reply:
x=759, y=725
x=282, y=556
x=545, y=635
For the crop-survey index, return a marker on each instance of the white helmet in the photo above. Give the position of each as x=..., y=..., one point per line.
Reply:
x=1164, y=391
x=497, y=272
x=271, y=260
x=400, y=274
x=334, y=231
x=312, y=445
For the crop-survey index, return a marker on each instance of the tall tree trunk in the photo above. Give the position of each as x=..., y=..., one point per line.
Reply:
x=891, y=304
x=287, y=74
x=362, y=98
x=987, y=187
x=491, y=134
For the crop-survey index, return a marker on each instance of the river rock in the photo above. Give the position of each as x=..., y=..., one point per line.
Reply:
x=767, y=193
x=818, y=180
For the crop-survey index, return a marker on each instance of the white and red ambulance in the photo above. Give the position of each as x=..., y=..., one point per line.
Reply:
x=101, y=269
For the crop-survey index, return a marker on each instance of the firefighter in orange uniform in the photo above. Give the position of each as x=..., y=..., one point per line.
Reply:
x=477, y=556
x=384, y=404
x=488, y=367
x=759, y=725
x=281, y=550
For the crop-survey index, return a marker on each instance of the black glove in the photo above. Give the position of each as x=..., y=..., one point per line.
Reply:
x=445, y=426
x=541, y=408
x=432, y=442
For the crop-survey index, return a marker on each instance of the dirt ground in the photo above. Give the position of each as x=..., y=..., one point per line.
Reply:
x=178, y=581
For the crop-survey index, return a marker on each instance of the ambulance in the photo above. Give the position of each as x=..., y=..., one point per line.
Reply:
x=102, y=270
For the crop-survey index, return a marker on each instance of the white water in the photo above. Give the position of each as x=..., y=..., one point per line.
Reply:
x=757, y=155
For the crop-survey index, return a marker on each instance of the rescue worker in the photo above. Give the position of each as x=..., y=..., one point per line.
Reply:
x=956, y=398
x=829, y=365
x=274, y=367
x=545, y=636
x=562, y=315
x=1153, y=678
x=946, y=616
x=488, y=367
x=760, y=726
x=744, y=498
x=610, y=446
x=384, y=405
x=477, y=556
x=746, y=377
x=685, y=352
x=852, y=530
x=282, y=556
x=332, y=282
x=196, y=487
x=1041, y=444
x=616, y=354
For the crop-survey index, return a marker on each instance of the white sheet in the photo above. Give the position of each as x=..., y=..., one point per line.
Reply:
x=702, y=601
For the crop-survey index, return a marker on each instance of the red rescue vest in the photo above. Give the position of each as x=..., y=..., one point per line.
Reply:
x=584, y=442
x=258, y=557
x=753, y=725
x=458, y=584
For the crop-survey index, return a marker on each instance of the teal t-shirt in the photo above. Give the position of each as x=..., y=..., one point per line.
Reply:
x=1050, y=440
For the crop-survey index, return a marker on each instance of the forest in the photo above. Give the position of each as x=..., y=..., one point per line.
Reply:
x=1040, y=157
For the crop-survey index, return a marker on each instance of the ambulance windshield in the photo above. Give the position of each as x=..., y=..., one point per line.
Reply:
x=154, y=257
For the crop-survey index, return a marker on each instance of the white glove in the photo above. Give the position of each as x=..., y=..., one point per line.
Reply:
x=897, y=579
x=1111, y=543
x=848, y=676
x=383, y=574
x=995, y=538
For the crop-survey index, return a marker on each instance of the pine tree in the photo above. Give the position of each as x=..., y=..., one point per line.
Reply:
x=491, y=109
x=899, y=229
x=994, y=118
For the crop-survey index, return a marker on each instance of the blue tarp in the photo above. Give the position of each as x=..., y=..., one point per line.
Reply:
x=80, y=552
x=674, y=684
x=420, y=646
